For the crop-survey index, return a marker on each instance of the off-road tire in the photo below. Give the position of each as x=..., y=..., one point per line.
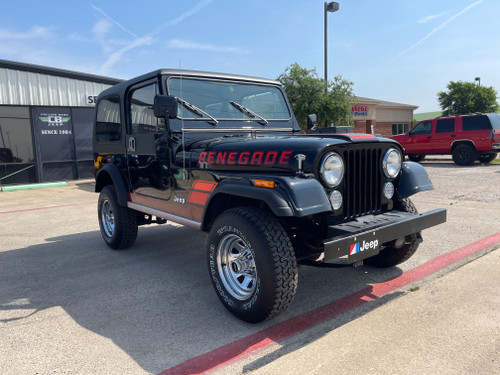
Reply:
x=268, y=259
x=118, y=224
x=487, y=158
x=464, y=154
x=416, y=157
x=390, y=256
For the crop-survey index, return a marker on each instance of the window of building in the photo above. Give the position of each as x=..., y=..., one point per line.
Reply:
x=108, y=126
x=17, y=159
x=400, y=128
x=141, y=110
x=445, y=125
x=476, y=122
x=422, y=128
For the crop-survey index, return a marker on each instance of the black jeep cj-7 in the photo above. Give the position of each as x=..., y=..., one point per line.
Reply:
x=223, y=154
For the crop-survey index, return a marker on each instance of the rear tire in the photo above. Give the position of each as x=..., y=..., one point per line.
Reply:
x=464, y=154
x=416, y=157
x=118, y=224
x=252, y=264
x=487, y=158
x=391, y=256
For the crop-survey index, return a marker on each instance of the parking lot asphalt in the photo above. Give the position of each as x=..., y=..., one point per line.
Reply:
x=69, y=304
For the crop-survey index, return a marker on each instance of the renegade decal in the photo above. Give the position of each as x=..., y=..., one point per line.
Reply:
x=200, y=191
x=244, y=158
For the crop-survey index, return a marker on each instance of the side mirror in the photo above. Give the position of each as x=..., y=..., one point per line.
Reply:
x=165, y=106
x=312, y=122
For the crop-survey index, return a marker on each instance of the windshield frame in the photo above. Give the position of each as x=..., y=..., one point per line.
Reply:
x=244, y=118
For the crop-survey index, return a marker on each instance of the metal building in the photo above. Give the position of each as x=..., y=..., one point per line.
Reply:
x=46, y=119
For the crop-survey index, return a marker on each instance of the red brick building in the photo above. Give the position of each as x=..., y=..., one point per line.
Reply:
x=381, y=117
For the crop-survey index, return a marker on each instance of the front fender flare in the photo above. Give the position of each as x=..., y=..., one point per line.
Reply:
x=414, y=179
x=292, y=196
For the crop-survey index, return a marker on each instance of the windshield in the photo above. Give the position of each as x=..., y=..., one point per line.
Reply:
x=217, y=99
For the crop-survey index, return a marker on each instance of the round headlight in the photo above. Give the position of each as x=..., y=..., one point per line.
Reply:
x=332, y=169
x=392, y=163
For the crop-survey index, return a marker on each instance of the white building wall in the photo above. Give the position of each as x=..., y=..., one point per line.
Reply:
x=27, y=88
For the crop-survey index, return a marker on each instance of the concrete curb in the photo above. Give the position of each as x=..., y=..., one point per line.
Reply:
x=33, y=186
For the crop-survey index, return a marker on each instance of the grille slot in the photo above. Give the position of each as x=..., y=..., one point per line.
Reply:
x=362, y=183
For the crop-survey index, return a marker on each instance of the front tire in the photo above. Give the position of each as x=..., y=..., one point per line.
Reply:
x=252, y=264
x=118, y=224
x=391, y=255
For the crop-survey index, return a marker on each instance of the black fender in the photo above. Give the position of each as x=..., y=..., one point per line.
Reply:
x=111, y=174
x=293, y=196
x=414, y=179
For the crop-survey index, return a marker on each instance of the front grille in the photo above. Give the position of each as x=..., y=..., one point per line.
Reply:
x=362, y=182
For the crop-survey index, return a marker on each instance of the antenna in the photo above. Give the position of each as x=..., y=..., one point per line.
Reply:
x=184, y=174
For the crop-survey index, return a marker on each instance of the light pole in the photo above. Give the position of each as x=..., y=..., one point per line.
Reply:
x=329, y=7
x=478, y=80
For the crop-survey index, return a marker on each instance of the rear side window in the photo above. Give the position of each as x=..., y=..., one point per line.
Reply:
x=446, y=125
x=108, y=125
x=477, y=122
x=495, y=120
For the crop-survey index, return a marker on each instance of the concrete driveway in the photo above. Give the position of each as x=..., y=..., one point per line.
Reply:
x=69, y=304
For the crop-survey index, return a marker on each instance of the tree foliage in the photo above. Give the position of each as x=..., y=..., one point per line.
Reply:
x=467, y=97
x=306, y=93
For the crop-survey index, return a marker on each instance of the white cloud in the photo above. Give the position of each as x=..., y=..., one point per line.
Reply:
x=441, y=26
x=101, y=28
x=431, y=17
x=148, y=38
x=36, y=32
x=109, y=19
x=184, y=44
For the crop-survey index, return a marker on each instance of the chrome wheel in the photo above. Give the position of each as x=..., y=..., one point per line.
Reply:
x=108, y=219
x=236, y=266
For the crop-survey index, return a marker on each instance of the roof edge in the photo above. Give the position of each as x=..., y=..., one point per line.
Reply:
x=14, y=65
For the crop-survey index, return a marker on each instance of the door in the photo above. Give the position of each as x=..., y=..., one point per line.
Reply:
x=419, y=139
x=444, y=135
x=148, y=150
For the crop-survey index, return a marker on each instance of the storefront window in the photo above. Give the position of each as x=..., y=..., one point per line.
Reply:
x=400, y=128
x=16, y=150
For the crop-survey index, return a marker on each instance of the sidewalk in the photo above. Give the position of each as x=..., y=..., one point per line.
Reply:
x=448, y=326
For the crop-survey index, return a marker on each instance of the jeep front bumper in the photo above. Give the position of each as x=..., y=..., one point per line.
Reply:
x=365, y=236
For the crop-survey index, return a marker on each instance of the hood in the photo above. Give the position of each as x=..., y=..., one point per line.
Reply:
x=285, y=153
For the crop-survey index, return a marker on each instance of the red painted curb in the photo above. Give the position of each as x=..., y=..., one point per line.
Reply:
x=45, y=208
x=243, y=347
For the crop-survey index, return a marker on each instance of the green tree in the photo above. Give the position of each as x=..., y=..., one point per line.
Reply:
x=467, y=97
x=307, y=95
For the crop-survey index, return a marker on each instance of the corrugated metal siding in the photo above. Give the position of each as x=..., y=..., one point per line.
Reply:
x=26, y=88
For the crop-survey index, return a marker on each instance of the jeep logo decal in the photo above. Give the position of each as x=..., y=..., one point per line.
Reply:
x=356, y=248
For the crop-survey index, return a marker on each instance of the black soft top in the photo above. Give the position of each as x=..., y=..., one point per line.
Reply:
x=120, y=88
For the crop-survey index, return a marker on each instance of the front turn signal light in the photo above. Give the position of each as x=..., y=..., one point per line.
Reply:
x=264, y=184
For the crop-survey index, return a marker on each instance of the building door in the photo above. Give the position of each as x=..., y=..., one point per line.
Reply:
x=55, y=146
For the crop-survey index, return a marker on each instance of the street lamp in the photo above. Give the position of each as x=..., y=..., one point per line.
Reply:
x=478, y=80
x=329, y=7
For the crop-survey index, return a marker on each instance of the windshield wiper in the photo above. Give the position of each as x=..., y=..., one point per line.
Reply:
x=197, y=111
x=261, y=120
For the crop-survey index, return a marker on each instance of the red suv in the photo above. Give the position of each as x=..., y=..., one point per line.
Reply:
x=467, y=138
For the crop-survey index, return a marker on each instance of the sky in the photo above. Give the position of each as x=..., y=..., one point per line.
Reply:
x=404, y=51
